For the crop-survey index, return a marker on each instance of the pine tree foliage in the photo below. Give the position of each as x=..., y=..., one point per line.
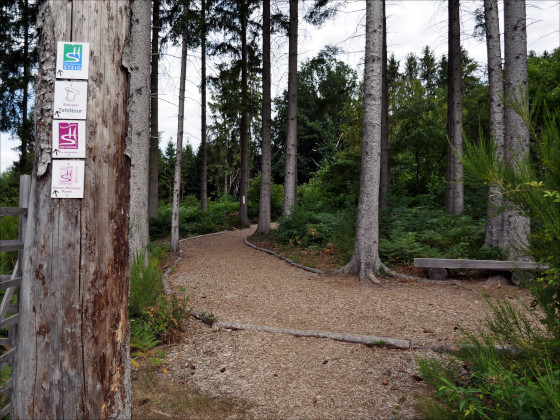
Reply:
x=18, y=60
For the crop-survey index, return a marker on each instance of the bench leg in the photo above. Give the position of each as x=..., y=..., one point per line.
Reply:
x=521, y=278
x=437, y=273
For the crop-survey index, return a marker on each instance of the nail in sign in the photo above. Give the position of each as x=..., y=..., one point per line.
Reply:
x=70, y=100
x=72, y=60
x=69, y=139
x=67, y=179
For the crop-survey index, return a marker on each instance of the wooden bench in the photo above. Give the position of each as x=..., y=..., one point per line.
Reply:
x=437, y=267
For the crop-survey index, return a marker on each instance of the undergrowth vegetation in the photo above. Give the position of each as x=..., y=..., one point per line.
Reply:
x=412, y=226
x=510, y=368
x=222, y=214
x=154, y=317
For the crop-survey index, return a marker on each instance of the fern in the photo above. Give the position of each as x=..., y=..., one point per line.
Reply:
x=142, y=336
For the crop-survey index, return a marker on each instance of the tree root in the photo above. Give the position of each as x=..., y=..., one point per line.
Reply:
x=368, y=277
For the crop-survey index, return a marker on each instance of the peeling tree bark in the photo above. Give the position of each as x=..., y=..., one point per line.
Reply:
x=365, y=262
x=73, y=347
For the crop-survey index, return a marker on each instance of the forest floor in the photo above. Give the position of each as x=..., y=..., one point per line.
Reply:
x=226, y=373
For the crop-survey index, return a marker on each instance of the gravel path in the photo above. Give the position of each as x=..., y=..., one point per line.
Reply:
x=291, y=377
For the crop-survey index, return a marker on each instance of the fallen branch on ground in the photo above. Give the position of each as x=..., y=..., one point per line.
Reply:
x=166, y=288
x=368, y=340
x=295, y=264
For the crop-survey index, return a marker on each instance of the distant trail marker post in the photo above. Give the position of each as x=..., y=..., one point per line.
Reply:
x=73, y=346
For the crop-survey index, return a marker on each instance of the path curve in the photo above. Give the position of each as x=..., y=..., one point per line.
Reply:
x=296, y=377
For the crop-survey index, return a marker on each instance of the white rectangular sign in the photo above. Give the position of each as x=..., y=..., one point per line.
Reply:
x=67, y=179
x=70, y=100
x=72, y=60
x=69, y=139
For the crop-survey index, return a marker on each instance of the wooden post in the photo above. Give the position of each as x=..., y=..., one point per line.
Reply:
x=73, y=341
x=24, y=190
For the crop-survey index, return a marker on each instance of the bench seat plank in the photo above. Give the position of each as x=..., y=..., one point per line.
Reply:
x=476, y=264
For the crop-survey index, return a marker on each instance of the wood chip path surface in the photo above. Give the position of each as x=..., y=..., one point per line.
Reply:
x=288, y=377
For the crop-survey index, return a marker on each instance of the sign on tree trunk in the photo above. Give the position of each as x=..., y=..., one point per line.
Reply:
x=73, y=355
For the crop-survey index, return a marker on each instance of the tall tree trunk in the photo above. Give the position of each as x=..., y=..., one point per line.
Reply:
x=454, y=197
x=73, y=345
x=139, y=119
x=384, y=183
x=244, y=129
x=365, y=262
x=263, y=226
x=516, y=228
x=154, y=121
x=290, y=172
x=496, y=89
x=25, y=132
x=179, y=151
x=203, y=128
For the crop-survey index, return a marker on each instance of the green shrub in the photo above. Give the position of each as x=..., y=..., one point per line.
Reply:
x=145, y=285
x=166, y=317
x=253, y=199
x=9, y=225
x=190, y=201
x=520, y=380
x=222, y=214
x=9, y=229
x=154, y=317
x=306, y=229
x=414, y=232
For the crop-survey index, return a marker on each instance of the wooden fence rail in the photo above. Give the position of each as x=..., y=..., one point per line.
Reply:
x=9, y=307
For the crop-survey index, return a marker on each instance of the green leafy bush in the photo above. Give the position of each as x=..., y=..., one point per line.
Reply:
x=166, y=317
x=427, y=232
x=142, y=335
x=306, y=229
x=9, y=225
x=253, y=199
x=222, y=214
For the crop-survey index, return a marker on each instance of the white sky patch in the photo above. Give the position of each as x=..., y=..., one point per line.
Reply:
x=7, y=155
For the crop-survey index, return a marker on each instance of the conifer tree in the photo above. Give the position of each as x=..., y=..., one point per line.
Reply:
x=18, y=59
